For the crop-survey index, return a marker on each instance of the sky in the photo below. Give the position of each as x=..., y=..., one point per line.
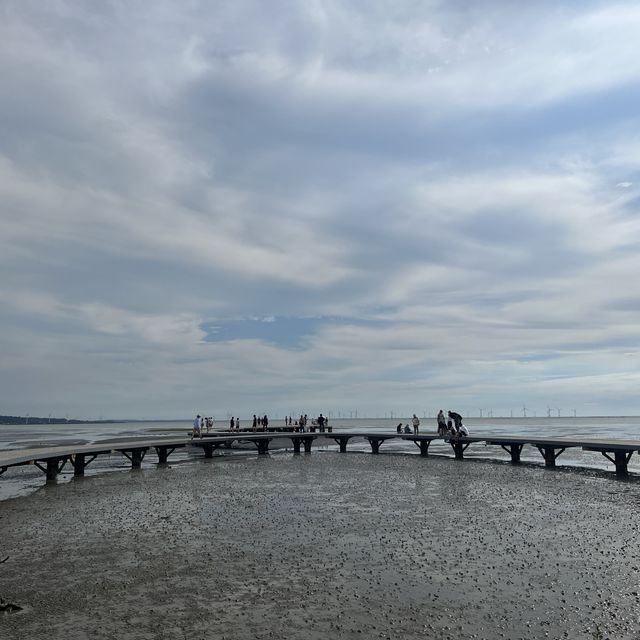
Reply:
x=283, y=207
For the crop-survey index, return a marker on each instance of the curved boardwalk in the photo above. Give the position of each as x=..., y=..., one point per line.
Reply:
x=51, y=460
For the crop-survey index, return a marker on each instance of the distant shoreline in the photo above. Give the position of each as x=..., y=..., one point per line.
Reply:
x=35, y=420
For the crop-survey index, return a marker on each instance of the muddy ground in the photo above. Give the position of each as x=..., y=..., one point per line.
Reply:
x=322, y=546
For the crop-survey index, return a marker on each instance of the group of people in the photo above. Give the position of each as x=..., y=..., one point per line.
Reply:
x=453, y=427
x=260, y=423
x=415, y=423
x=202, y=423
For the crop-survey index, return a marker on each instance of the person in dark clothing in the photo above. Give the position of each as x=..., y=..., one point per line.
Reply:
x=457, y=419
x=265, y=423
x=399, y=428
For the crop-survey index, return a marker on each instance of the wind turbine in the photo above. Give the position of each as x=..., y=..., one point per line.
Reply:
x=548, y=411
x=558, y=411
x=524, y=410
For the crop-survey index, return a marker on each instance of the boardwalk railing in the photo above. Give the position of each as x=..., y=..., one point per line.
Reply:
x=52, y=460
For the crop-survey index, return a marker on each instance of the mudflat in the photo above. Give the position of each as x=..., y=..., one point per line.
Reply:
x=325, y=545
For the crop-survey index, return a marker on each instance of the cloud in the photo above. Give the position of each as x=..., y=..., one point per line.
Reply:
x=330, y=202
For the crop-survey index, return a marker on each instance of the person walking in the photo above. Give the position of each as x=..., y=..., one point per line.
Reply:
x=416, y=424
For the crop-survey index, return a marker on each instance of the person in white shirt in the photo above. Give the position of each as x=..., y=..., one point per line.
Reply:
x=416, y=423
x=197, y=432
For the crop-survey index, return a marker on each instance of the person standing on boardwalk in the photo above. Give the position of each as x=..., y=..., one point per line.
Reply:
x=265, y=422
x=232, y=424
x=416, y=424
x=197, y=433
x=442, y=423
x=255, y=422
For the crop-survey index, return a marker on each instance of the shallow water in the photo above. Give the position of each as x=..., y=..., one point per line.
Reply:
x=23, y=480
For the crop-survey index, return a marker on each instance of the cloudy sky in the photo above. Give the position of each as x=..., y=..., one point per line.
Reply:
x=233, y=207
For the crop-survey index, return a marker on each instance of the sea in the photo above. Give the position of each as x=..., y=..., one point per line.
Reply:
x=19, y=481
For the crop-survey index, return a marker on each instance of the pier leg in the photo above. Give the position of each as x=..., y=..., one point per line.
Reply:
x=307, y=444
x=296, y=445
x=137, y=456
x=621, y=460
x=164, y=453
x=343, y=444
x=263, y=446
x=424, y=446
x=549, y=454
x=375, y=445
x=53, y=468
x=514, y=450
x=621, y=463
x=78, y=464
x=458, y=448
x=208, y=450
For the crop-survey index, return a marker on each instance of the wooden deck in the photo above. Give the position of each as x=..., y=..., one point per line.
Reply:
x=51, y=460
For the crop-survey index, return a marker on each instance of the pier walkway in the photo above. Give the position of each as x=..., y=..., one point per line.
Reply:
x=52, y=460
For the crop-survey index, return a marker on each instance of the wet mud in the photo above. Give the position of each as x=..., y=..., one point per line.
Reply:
x=325, y=545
